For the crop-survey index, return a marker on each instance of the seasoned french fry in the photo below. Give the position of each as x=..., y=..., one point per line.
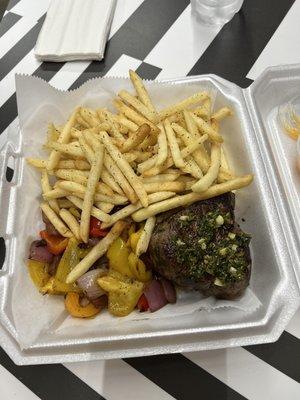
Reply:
x=90, y=116
x=106, y=207
x=142, y=93
x=206, y=128
x=64, y=138
x=144, y=240
x=134, y=116
x=113, y=127
x=131, y=208
x=74, y=164
x=36, y=162
x=221, y=114
x=147, y=164
x=195, y=98
x=69, y=149
x=93, y=179
x=207, y=180
x=79, y=190
x=170, y=186
x=161, y=178
x=137, y=138
x=95, y=212
x=46, y=188
x=65, y=203
x=129, y=157
x=190, y=198
x=138, y=105
x=121, y=119
x=204, y=111
x=96, y=252
x=162, y=153
x=55, y=194
x=70, y=221
x=175, y=150
x=55, y=220
x=82, y=122
x=141, y=156
x=125, y=168
x=191, y=167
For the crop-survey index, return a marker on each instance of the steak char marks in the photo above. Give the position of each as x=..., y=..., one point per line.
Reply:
x=200, y=247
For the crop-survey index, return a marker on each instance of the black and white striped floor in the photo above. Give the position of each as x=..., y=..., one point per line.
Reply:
x=159, y=39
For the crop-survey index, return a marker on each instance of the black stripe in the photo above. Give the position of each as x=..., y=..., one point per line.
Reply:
x=181, y=378
x=50, y=382
x=3, y=5
x=148, y=71
x=19, y=51
x=2, y=252
x=11, y=4
x=239, y=43
x=283, y=355
x=137, y=36
x=8, y=21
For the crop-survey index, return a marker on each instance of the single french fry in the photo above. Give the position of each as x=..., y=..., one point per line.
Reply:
x=55, y=194
x=142, y=93
x=147, y=164
x=65, y=203
x=137, y=138
x=222, y=113
x=206, y=128
x=195, y=98
x=74, y=164
x=113, y=127
x=204, y=111
x=129, y=157
x=144, y=240
x=175, y=150
x=138, y=105
x=192, y=168
x=122, y=120
x=192, y=132
x=131, y=114
x=36, y=162
x=97, y=251
x=141, y=156
x=69, y=149
x=161, y=178
x=82, y=122
x=106, y=207
x=55, y=220
x=79, y=190
x=90, y=116
x=70, y=221
x=167, y=186
x=131, y=208
x=95, y=212
x=190, y=198
x=46, y=188
x=64, y=138
x=162, y=153
x=93, y=179
x=207, y=180
x=126, y=169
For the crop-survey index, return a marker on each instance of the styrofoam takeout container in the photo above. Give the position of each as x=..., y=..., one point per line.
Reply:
x=264, y=207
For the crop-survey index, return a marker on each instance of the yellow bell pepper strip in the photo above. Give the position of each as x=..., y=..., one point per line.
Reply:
x=134, y=238
x=123, y=293
x=38, y=272
x=74, y=308
x=55, y=287
x=117, y=255
x=70, y=258
x=138, y=268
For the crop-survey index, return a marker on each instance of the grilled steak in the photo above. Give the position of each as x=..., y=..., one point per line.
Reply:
x=200, y=247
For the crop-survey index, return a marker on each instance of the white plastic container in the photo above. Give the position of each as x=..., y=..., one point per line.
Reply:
x=268, y=215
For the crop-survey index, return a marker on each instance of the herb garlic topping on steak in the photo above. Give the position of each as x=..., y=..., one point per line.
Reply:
x=201, y=247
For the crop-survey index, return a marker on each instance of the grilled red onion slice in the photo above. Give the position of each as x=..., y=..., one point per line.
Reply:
x=155, y=295
x=39, y=252
x=169, y=290
x=88, y=283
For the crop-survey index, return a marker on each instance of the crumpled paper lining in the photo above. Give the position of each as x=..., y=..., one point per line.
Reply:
x=38, y=104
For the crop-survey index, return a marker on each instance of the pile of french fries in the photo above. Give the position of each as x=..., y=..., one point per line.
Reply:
x=145, y=160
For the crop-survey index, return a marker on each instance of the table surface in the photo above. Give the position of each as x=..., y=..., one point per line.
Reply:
x=159, y=39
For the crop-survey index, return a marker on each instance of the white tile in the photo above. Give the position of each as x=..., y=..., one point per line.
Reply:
x=12, y=388
x=122, y=65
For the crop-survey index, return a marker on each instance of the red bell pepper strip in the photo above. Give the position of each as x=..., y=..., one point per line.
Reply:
x=55, y=244
x=142, y=304
x=95, y=228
